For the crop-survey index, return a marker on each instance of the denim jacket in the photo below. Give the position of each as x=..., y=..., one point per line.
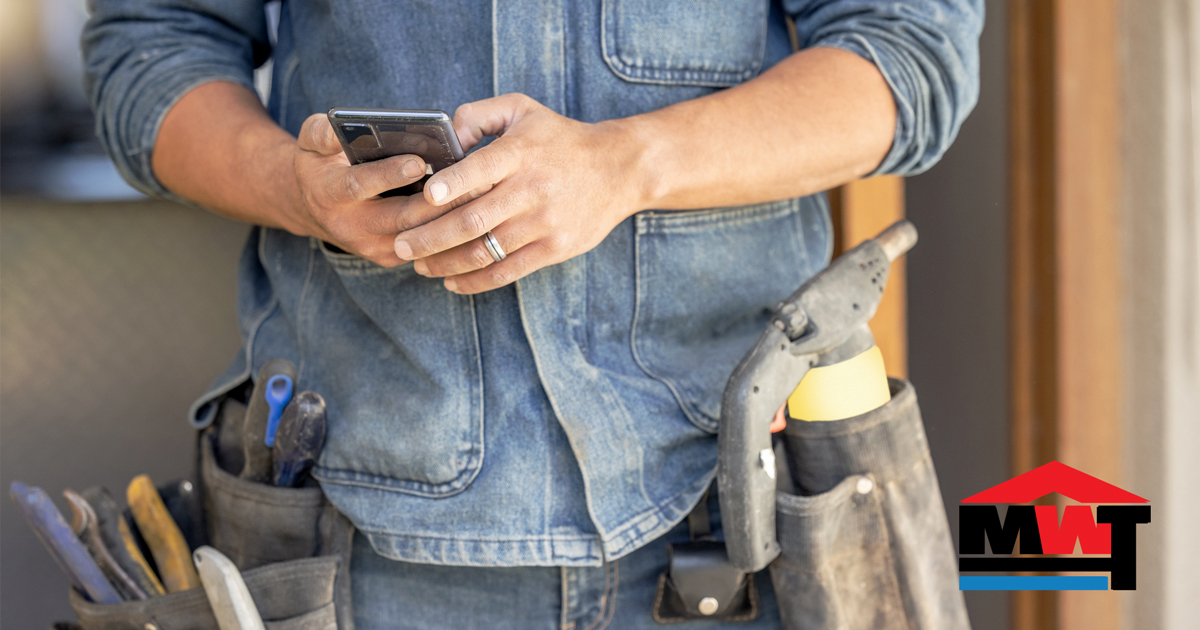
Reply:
x=571, y=417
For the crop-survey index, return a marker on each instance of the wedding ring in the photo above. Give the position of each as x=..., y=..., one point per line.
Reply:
x=493, y=247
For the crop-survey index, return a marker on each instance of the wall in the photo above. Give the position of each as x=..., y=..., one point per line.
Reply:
x=113, y=318
x=1161, y=207
x=958, y=301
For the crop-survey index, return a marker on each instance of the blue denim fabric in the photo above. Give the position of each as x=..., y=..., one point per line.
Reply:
x=620, y=595
x=570, y=419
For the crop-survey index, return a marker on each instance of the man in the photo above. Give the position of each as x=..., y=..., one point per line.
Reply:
x=517, y=438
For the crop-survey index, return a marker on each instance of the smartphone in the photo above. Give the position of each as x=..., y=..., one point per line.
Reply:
x=374, y=134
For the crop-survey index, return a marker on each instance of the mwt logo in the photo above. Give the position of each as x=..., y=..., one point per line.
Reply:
x=1112, y=532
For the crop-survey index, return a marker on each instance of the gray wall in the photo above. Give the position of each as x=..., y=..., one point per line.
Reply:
x=958, y=301
x=113, y=318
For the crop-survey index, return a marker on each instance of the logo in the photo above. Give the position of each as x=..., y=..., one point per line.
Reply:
x=1106, y=539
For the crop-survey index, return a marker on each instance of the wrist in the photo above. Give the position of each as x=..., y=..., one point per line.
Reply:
x=643, y=157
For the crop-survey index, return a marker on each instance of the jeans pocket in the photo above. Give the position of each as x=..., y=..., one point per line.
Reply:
x=706, y=281
x=397, y=359
x=835, y=569
x=716, y=43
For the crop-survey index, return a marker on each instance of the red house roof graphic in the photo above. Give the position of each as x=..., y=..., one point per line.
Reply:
x=1054, y=477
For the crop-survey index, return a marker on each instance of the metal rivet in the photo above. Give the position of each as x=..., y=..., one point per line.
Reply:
x=186, y=486
x=709, y=605
x=864, y=485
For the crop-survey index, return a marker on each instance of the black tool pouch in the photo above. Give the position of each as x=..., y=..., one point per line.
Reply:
x=291, y=545
x=864, y=538
x=700, y=582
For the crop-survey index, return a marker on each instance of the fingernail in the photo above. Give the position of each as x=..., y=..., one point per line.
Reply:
x=403, y=250
x=412, y=169
x=438, y=192
x=451, y=285
x=421, y=267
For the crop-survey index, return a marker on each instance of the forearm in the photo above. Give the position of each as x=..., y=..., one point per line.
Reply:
x=816, y=120
x=218, y=147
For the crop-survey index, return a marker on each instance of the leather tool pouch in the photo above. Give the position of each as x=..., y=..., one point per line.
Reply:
x=700, y=583
x=863, y=531
x=292, y=546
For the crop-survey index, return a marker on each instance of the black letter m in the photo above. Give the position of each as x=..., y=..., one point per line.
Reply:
x=977, y=521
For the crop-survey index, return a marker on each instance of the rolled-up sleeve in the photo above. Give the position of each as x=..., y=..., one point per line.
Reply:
x=927, y=50
x=141, y=56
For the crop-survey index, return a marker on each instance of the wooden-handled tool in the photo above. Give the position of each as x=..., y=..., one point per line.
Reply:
x=70, y=554
x=162, y=535
x=299, y=439
x=87, y=527
x=226, y=590
x=258, y=416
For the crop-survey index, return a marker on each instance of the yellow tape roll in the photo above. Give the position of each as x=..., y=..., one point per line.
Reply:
x=842, y=390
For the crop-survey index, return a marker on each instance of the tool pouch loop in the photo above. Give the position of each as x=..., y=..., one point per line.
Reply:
x=700, y=582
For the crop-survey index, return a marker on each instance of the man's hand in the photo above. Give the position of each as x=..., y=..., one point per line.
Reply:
x=549, y=188
x=341, y=203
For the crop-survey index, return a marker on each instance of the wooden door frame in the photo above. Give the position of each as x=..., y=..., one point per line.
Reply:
x=1065, y=289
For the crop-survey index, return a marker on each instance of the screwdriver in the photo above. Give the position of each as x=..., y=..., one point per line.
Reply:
x=258, y=415
x=299, y=439
x=70, y=554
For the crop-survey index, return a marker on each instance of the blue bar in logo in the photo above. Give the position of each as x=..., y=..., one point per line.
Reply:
x=1033, y=583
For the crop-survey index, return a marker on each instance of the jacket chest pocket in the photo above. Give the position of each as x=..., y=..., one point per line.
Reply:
x=715, y=43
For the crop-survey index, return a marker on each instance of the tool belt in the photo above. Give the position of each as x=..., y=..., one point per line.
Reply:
x=292, y=547
x=860, y=523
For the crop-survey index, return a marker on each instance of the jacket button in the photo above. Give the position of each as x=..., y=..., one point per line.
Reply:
x=708, y=606
x=864, y=485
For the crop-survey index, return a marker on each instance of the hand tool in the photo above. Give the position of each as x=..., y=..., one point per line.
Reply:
x=300, y=438
x=135, y=552
x=257, y=467
x=162, y=535
x=279, y=392
x=823, y=322
x=118, y=539
x=227, y=593
x=87, y=527
x=48, y=523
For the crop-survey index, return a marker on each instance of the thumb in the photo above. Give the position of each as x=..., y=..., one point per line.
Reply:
x=317, y=135
x=489, y=117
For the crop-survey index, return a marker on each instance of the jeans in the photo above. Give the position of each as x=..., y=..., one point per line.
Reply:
x=406, y=596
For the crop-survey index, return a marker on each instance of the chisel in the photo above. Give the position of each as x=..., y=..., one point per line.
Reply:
x=162, y=535
x=299, y=439
x=70, y=554
x=226, y=590
x=258, y=414
x=87, y=527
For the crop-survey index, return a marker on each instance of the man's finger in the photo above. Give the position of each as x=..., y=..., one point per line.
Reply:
x=364, y=181
x=519, y=264
x=473, y=254
x=483, y=168
x=317, y=135
x=393, y=215
x=459, y=226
